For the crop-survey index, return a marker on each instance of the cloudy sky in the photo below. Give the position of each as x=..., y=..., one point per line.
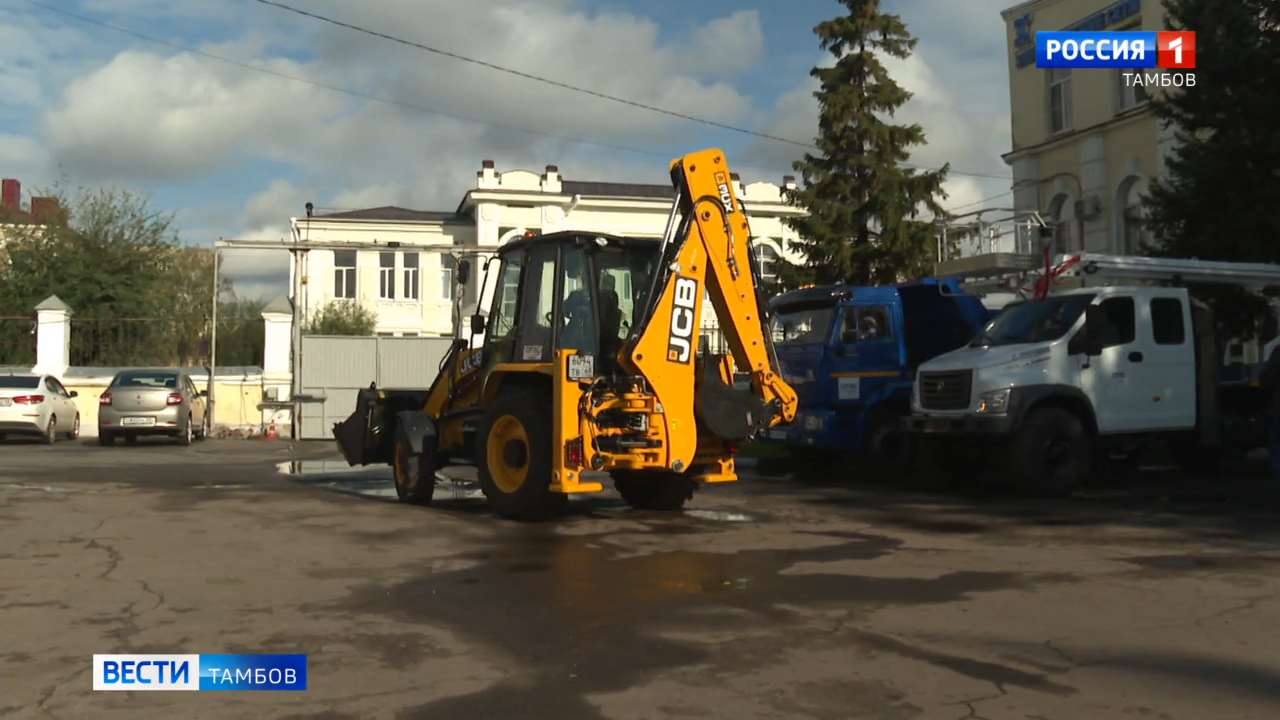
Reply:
x=126, y=94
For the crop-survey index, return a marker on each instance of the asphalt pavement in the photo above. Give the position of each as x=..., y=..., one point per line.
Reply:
x=830, y=595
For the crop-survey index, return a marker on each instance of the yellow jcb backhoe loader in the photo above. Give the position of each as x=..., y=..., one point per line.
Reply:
x=590, y=366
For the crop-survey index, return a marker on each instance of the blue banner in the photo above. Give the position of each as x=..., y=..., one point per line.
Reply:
x=253, y=672
x=1079, y=49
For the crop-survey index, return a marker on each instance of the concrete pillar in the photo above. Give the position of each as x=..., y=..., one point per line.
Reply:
x=53, y=337
x=277, y=359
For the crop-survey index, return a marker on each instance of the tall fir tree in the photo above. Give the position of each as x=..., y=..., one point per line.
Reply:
x=863, y=206
x=1220, y=199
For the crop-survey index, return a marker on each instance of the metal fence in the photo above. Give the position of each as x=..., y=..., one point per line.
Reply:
x=151, y=341
x=17, y=340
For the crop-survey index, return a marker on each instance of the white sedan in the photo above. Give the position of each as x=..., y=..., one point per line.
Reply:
x=37, y=405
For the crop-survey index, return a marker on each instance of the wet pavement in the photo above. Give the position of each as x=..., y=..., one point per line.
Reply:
x=775, y=597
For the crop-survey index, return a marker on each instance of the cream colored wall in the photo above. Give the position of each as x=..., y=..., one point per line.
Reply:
x=87, y=403
x=1095, y=93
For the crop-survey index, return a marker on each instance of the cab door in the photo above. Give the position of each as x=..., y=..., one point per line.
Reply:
x=867, y=354
x=1113, y=380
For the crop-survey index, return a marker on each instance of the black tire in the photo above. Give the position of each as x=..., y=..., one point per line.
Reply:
x=186, y=433
x=888, y=446
x=653, y=490
x=415, y=482
x=106, y=438
x=1051, y=453
x=514, y=456
x=75, y=429
x=51, y=432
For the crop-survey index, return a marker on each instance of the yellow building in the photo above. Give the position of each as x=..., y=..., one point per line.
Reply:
x=1085, y=146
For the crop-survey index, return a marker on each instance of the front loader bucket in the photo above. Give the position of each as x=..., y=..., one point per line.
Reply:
x=365, y=437
x=360, y=436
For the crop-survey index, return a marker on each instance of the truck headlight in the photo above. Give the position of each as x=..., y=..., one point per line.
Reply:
x=995, y=402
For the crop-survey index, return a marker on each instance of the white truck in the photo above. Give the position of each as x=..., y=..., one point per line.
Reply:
x=1052, y=384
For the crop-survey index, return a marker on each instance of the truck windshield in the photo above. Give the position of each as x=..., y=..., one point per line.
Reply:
x=1030, y=322
x=801, y=324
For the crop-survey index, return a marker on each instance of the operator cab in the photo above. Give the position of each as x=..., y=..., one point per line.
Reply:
x=567, y=290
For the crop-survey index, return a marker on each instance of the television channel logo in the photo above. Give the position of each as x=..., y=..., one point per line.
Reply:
x=133, y=673
x=1126, y=49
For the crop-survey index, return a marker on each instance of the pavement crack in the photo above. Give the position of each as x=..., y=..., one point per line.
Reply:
x=113, y=556
x=159, y=596
x=50, y=691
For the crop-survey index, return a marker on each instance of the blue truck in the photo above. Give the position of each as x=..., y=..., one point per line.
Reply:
x=851, y=354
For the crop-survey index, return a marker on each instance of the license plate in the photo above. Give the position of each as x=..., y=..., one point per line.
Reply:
x=582, y=367
x=777, y=434
x=138, y=421
x=5, y=402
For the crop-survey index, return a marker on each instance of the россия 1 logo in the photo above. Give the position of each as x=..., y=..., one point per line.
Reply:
x=1125, y=49
x=1116, y=49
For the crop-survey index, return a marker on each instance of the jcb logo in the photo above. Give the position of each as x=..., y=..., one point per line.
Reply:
x=680, y=341
x=726, y=197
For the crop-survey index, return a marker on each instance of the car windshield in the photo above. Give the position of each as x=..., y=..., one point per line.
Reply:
x=801, y=323
x=1030, y=322
x=26, y=382
x=146, y=380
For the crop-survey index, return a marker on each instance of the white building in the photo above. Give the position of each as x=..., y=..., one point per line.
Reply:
x=402, y=264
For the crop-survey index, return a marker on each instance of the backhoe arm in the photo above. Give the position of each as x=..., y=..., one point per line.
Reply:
x=709, y=251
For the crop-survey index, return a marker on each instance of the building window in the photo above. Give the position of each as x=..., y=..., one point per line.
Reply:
x=411, y=275
x=387, y=275
x=1059, y=99
x=1130, y=97
x=448, y=264
x=344, y=273
x=1133, y=219
x=767, y=262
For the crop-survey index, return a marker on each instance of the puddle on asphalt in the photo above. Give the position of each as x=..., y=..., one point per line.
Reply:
x=375, y=481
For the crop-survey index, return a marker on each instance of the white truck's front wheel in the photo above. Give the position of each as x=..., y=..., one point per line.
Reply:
x=1051, y=452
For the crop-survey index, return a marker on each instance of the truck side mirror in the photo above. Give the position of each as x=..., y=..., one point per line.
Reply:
x=464, y=272
x=477, y=324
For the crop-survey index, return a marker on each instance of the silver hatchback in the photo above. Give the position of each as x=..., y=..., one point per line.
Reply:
x=152, y=402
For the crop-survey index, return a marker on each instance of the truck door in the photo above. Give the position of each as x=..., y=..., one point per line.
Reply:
x=869, y=356
x=1112, y=380
x=1167, y=373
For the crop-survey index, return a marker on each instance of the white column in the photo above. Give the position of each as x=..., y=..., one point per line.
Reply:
x=53, y=337
x=277, y=372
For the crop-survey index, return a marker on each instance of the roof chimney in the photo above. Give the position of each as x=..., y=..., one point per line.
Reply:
x=487, y=178
x=551, y=179
x=789, y=182
x=45, y=210
x=11, y=195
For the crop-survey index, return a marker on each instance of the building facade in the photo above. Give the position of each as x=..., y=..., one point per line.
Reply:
x=1086, y=145
x=404, y=264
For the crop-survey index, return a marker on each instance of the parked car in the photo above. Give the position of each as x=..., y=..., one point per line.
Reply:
x=152, y=402
x=37, y=405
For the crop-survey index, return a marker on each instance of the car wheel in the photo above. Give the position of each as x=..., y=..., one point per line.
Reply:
x=75, y=429
x=184, y=435
x=106, y=438
x=514, y=457
x=51, y=432
x=1051, y=453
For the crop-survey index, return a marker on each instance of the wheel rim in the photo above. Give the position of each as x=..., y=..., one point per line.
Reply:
x=507, y=453
x=53, y=428
x=75, y=429
x=187, y=434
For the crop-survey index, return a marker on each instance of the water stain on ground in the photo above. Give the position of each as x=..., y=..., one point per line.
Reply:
x=598, y=612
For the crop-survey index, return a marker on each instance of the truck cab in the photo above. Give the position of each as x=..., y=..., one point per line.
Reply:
x=851, y=352
x=1049, y=378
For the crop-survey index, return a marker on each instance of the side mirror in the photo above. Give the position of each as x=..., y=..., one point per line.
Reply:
x=477, y=324
x=73, y=393
x=464, y=272
x=204, y=393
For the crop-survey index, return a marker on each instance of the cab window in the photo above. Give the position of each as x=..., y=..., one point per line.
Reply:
x=502, y=313
x=866, y=323
x=537, y=305
x=577, y=329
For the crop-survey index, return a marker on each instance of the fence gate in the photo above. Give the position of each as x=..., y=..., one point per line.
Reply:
x=335, y=368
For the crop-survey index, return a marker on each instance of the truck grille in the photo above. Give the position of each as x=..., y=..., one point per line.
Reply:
x=945, y=390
